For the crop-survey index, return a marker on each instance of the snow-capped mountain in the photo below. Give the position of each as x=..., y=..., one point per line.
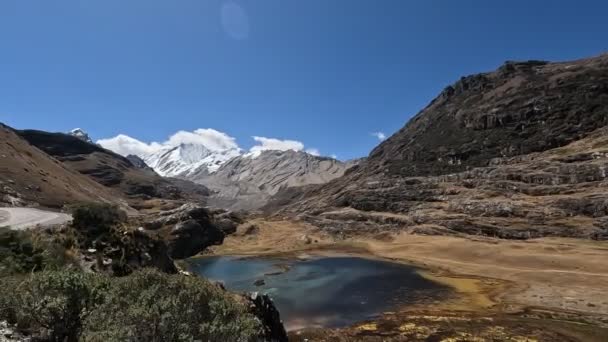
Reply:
x=80, y=134
x=184, y=159
x=210, y=156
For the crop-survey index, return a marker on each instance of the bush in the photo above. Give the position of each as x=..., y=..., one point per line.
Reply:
x=28, y=251
x=96, y=217
x=153, y=306
x=144, y=306
x=53, y=303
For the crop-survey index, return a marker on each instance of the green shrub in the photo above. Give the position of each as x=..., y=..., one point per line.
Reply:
x=144, y=306
x=53, y=303
x=96, y=217
x=27, y=251
x=153, y=306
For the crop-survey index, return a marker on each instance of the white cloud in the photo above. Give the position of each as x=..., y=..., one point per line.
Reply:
x=208, y=137
x=334, y=156
x=125, y=145
x=381, y=136
x=313, y=151
x=265, y=144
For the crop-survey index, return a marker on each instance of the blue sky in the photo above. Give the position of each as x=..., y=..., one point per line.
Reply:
x=326, y=73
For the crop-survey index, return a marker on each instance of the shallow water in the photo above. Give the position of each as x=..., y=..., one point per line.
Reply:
x=325, y=292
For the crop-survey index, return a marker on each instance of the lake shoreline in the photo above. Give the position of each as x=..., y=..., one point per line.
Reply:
x=325, y=291
x=516, y=287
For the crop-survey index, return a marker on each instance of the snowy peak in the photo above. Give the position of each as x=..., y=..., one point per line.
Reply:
x=184, y=159
x=198, y=153
x=80, y=134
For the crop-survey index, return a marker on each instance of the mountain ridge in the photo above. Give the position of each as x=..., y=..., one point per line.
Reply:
x=488, y=137
x=248, y=181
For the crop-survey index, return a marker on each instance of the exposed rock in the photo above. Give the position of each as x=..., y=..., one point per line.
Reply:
x=191, y=228
x=138, y=162
x=170, y=217
x=227, y=226
x=191, y=237
x=263, y=307
x=250, y=229
x=533, y=107
x=248, y=181
x=517, y=153
x=119, y=252
x=259, y=282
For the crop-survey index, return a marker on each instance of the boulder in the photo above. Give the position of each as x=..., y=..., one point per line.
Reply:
x=191, y=237
x=191, y=228
x=263, y=307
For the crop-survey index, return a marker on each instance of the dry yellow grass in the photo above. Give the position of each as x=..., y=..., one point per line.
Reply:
x=555, y=273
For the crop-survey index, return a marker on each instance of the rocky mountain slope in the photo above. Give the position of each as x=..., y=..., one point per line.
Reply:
x=30, y=176
x=518, y=152
x=248, y=181
x=109, y=169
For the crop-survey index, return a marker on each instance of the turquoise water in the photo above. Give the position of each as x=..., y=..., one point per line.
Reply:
x=325, y=292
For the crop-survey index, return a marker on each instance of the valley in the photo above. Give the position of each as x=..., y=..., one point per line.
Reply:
x=485, y=218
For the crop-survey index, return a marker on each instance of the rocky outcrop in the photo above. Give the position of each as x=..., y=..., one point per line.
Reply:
x=190, y=229
x=263, y=308
x=117, y=250
x=191, y=237
x=137, y=250
x=519, y=109
x=516, y=153
x=248, y=181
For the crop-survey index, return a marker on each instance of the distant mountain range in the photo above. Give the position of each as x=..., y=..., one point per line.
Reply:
x=238, y=180
x=89, y=172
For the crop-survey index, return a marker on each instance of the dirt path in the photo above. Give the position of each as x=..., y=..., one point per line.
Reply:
x=22, y=218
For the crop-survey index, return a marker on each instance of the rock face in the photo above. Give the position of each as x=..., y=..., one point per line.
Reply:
x=138, y=162
x=248, y=181
x=263, y=307
x=516, y=153
x=190, y=237
x=518, y=109
x=190, y=229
